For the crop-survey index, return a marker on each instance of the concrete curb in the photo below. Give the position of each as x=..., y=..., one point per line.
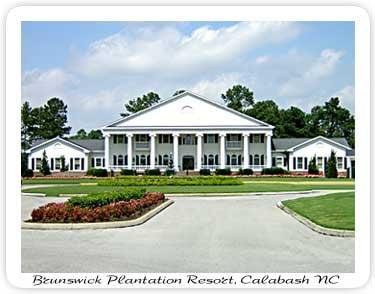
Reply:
x=33, y=194
x=101, y=225
x=239, y=193
x=313, y=226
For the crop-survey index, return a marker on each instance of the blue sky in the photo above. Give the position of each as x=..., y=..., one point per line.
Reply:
x=96, y=67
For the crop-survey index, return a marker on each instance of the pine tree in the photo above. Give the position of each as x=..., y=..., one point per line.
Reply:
x=332, y=169
x=44, y=169
x=313, y=169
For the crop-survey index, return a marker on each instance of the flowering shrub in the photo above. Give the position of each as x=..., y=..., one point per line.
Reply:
x=121, y=210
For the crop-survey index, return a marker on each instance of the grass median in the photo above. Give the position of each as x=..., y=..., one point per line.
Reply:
x=335, y=211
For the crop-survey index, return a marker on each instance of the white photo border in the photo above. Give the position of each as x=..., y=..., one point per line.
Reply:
x=189, y=13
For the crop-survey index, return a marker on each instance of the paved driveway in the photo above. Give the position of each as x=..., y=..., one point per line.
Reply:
x=212, y=234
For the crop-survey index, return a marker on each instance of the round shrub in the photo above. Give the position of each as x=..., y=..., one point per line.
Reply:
x=169, y=172
x=97, y=172
x=246, y=171
x=205, y=172
x=223, y=171
x=128, y=172
x=152, y=172
x=274, y=171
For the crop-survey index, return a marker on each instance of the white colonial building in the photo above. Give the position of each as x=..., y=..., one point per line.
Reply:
x=193, y=133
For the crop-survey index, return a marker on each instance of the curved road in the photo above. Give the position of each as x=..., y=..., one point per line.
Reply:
x=195, y=234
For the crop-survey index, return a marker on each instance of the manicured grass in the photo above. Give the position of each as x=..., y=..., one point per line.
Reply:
x=246, y=179
x=334, y=211
x=246, y=187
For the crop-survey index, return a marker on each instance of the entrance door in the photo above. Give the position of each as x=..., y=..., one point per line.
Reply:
x=187, y=162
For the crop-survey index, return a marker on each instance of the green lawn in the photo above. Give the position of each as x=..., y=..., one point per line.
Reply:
x=334, y=211
x=246, y=187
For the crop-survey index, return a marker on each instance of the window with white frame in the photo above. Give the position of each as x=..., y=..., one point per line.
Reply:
x=233, y=159
x=165, y=139
x=38, y=163
x=165, y=159
x=299, y=162
x=211, y=159
x=279, y=161
x=57, y=163
x=120, y=160
x=319, y=162
x=143, y=160
x=77, y=163
x=339, y=163
x=211, y=138
x=256, y=138
x=120, y=139
x=98, y=161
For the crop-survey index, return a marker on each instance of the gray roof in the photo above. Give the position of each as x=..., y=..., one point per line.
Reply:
x=350, y=152
x=90, y=144
x=287, y=143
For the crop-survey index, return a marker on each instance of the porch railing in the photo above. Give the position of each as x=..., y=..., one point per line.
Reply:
x=233, y=144
x=142, y=145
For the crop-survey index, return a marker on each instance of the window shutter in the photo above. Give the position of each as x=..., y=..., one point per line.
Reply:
x=273, y=161
x=82, y=163
x=52, y=164
x=92, y=162
x=114, y=160
x=239, y=160
x=71, y=164
x=216, y=159
x=294, y=163
x=148, y=159
x=32, y=163
x=262, y=159
x=345, y=163
x=103, y=162
x=114, y=139
x=251, y=138
x=205, y=138
x=262, y=138
x=251, y=160
x=285, y=161
x=305, y=163
x=228, y=160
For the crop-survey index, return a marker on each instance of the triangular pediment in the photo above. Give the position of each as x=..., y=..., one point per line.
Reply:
x=188, y=110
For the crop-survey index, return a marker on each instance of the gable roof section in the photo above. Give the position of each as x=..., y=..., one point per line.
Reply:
x=84, y=144
x=289, y=144
x=179, y=96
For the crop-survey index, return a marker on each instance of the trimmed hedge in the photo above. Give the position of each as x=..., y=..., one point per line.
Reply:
x=105, y=198
x=128, y=172
x=274, y=171
x=169, y=172
x=152, y=172
x=28, y=173
x=205, y=172
x=223, y=171
x=246, y=171
x=121, y=210
x=97, y=172
x=170, y=181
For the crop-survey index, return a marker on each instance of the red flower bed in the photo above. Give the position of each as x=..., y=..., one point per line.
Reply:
x=122, y=210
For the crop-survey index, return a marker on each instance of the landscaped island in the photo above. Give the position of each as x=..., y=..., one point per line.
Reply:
x=334, y=211
x=99, y=207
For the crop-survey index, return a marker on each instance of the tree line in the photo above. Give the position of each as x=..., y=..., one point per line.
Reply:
x=329, y=120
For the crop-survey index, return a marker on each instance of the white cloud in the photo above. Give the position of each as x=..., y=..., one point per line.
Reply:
x=262, y=59
x=309, y=79
x=213, y=88
x=347, y=97
x=38, y=85
x=167, y=51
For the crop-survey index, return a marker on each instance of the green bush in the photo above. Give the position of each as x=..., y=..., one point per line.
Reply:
x=274, y=171
x=44, y=168
x=205, y=172
x=152, y=172
x=331, y=169
x=223, y=171
x=313, y=169
x=246, y=171
x=128, y=172
x=97, y=172
x=28, y=173
x=104, y=198
x=169, y=172
x=169, y=181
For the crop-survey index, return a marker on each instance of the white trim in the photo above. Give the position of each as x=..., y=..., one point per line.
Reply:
x=172, y=98
x=57, y=139
x=315, y=138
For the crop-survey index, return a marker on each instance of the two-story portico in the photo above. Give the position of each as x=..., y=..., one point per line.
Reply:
x=191, y=131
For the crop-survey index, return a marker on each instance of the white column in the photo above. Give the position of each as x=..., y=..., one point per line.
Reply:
x=222, y=150
x=152, y=151
x=130, y=150
x=245, y=150
x=269, y=154
x=199, y=150
x=85, y=162
x=29, y=165
x=290, y=162
x=175, y=151
x=106, y=151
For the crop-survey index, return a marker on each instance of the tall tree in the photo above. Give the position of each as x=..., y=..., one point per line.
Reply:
x=238, y=98
x=81, y=134
x=140, y=103
x=266, y=111
x=27, y=125
x=52, y=119
x=292, y=123
x=95, y=134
